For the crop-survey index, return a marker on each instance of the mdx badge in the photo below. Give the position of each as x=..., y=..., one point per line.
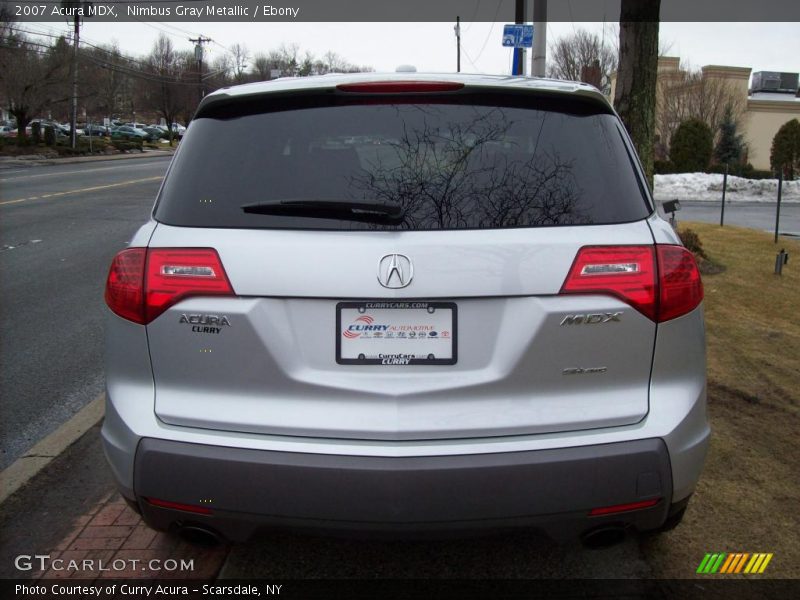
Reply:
x=591, y=319
x=395, y=271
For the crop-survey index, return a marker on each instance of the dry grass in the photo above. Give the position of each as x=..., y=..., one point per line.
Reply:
x=748, y=498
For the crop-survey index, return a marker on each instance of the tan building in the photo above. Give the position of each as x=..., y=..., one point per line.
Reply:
x=704, y=94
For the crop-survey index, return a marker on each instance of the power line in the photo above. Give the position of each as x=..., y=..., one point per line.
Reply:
x=486, y=41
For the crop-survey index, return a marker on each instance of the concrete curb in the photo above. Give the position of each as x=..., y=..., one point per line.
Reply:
x=36, y=162
x=34, y=460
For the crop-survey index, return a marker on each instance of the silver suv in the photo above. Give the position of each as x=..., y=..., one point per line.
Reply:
x=406, y=302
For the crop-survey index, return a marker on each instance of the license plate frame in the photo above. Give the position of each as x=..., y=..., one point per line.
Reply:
x=417, y=309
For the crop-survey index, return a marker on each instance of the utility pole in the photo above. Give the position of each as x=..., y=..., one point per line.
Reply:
x=76, y=8
x=518, y=67
x=539, y=54
x=198, y=55
x=73, y=119
x=457, y=29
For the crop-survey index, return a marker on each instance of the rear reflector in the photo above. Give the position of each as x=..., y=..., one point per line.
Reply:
x=143, y=283
x=662, y=282
x=201, y=510
x=399, y=87
x=618, y=508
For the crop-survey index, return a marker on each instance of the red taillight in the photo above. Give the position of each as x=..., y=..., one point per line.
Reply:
x=177, y=273
x=627, y=272
x=679, y=282
x=399, y=87
x=143, y=283
x=125, y=284
x=202, y=510
x=662, y=282
x=618, y=508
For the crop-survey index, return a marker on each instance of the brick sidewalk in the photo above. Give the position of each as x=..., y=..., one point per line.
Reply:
x=111, y=531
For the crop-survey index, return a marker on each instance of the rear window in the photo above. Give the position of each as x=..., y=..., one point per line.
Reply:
x=456, y=162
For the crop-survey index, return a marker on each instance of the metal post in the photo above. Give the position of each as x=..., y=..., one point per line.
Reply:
x=539, y=53
x=73, y=137
x=458, y=44
x=519, y=18
x=724, y=188
x=778, y=209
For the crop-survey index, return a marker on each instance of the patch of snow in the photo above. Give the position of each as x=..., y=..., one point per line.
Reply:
x=708, y=187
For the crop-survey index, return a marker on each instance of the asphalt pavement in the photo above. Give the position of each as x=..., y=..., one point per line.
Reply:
x=755, y=215
x=60, y=226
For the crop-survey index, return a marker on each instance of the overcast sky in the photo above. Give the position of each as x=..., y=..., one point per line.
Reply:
x=432, y=47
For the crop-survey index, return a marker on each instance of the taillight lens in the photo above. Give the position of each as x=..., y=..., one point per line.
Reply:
x=125, y=284
x=662, y=282
x=679, y=282
x=627, y=272
x=143, y=283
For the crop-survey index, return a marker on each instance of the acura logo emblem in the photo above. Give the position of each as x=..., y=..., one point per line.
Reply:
x=395, y=271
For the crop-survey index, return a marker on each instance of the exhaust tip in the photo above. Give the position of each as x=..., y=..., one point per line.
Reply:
x=200, y=536
x=603, y=537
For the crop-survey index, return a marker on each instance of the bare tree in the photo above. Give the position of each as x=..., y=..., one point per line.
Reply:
x=635, y=94
x=571, y=54
x=240, y=55
x=689, y=94
x=104, y=78
x=166, y=89
x=32, y=78
x=260, y=68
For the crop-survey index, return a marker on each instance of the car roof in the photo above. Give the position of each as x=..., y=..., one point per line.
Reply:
x=471, y=81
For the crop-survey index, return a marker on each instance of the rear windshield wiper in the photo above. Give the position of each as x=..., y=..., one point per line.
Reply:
x=366, y=212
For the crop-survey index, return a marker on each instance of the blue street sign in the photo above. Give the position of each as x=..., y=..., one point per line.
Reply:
x=518, y=36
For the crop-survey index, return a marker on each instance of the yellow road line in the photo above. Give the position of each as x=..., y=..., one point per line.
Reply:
x=89, y=189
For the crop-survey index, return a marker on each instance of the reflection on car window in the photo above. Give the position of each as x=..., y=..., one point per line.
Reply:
x=449, y=166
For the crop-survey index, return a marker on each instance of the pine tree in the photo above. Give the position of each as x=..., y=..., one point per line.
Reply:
x=730, y=146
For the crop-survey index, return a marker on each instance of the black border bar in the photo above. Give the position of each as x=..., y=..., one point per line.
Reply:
x=402, y=11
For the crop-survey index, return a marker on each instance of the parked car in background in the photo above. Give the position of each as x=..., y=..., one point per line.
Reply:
x=8, y=131
x=156, y=133
x=97, y=130
x=484, y=324
x=126, y=132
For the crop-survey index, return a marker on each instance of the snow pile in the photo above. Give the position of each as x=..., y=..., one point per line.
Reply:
x=708, y=187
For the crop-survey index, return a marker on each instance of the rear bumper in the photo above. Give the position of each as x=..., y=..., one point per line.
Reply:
x=552, y=490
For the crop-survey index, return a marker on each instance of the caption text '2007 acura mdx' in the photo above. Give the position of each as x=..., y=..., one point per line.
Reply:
x=406, y=303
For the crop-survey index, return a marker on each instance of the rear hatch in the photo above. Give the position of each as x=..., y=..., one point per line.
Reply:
x=396, y=264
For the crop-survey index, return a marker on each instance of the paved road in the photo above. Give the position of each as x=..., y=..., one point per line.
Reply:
x=59, y=228
x=756, y=215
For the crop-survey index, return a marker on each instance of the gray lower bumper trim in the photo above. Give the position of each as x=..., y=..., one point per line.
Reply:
x=403, y=490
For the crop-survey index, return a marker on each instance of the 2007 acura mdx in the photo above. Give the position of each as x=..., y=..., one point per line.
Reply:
x=406, y=302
